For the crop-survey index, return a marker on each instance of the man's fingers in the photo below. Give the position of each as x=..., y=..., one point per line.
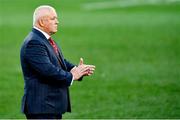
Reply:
x=90, y=72
x=86, y=68
x=92, y=69
x=82, y=67
x=91, y=66
x=85, y=73
x=81, y=62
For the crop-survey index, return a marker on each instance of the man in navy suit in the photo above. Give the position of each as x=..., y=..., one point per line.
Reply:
x=47, y=75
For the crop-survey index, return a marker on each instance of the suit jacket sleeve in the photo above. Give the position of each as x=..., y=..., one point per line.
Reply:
x=68, y=65
x=37, y=56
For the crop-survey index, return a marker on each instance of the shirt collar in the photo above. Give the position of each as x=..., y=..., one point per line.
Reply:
x=44, y=33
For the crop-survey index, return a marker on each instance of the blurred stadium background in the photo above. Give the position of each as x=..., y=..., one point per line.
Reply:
x=135, y=45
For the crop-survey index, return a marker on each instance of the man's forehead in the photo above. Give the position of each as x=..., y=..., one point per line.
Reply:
x=49, y=13
x=53, y=14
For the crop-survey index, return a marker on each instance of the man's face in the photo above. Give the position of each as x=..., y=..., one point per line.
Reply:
x=51, y=22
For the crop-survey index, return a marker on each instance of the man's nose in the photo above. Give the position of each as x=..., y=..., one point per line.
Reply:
x=57, y=22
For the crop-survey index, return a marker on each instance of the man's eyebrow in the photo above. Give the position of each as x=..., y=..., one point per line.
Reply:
x=54, y=17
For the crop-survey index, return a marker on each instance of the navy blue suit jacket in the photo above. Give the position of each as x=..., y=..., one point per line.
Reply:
x=47, y=77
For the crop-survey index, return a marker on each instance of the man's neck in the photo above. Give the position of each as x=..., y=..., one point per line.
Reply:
x=43, y=32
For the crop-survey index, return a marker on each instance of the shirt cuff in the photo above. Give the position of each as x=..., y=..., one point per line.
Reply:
x=72, y=80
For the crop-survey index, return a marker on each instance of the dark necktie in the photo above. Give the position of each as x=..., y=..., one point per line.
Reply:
x=53, y=45
x=56, y=50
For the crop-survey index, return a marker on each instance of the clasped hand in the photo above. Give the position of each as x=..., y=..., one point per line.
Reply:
x=82, y=70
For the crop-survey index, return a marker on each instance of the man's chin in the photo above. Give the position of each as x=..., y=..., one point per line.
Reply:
x=53, y=32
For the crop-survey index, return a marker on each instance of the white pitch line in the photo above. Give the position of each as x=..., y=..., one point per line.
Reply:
x=123, y=3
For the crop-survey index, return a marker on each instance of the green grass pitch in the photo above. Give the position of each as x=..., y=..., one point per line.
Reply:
x=136, y=51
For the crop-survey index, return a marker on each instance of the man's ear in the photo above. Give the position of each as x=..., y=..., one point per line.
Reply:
x=41, y=22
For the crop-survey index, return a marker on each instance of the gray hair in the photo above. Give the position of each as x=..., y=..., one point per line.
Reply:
x=41, y=11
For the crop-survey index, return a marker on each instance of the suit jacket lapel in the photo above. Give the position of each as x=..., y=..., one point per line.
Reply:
x=60, y=56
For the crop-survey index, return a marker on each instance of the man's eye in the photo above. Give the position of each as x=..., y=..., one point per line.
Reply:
x=53, y=18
